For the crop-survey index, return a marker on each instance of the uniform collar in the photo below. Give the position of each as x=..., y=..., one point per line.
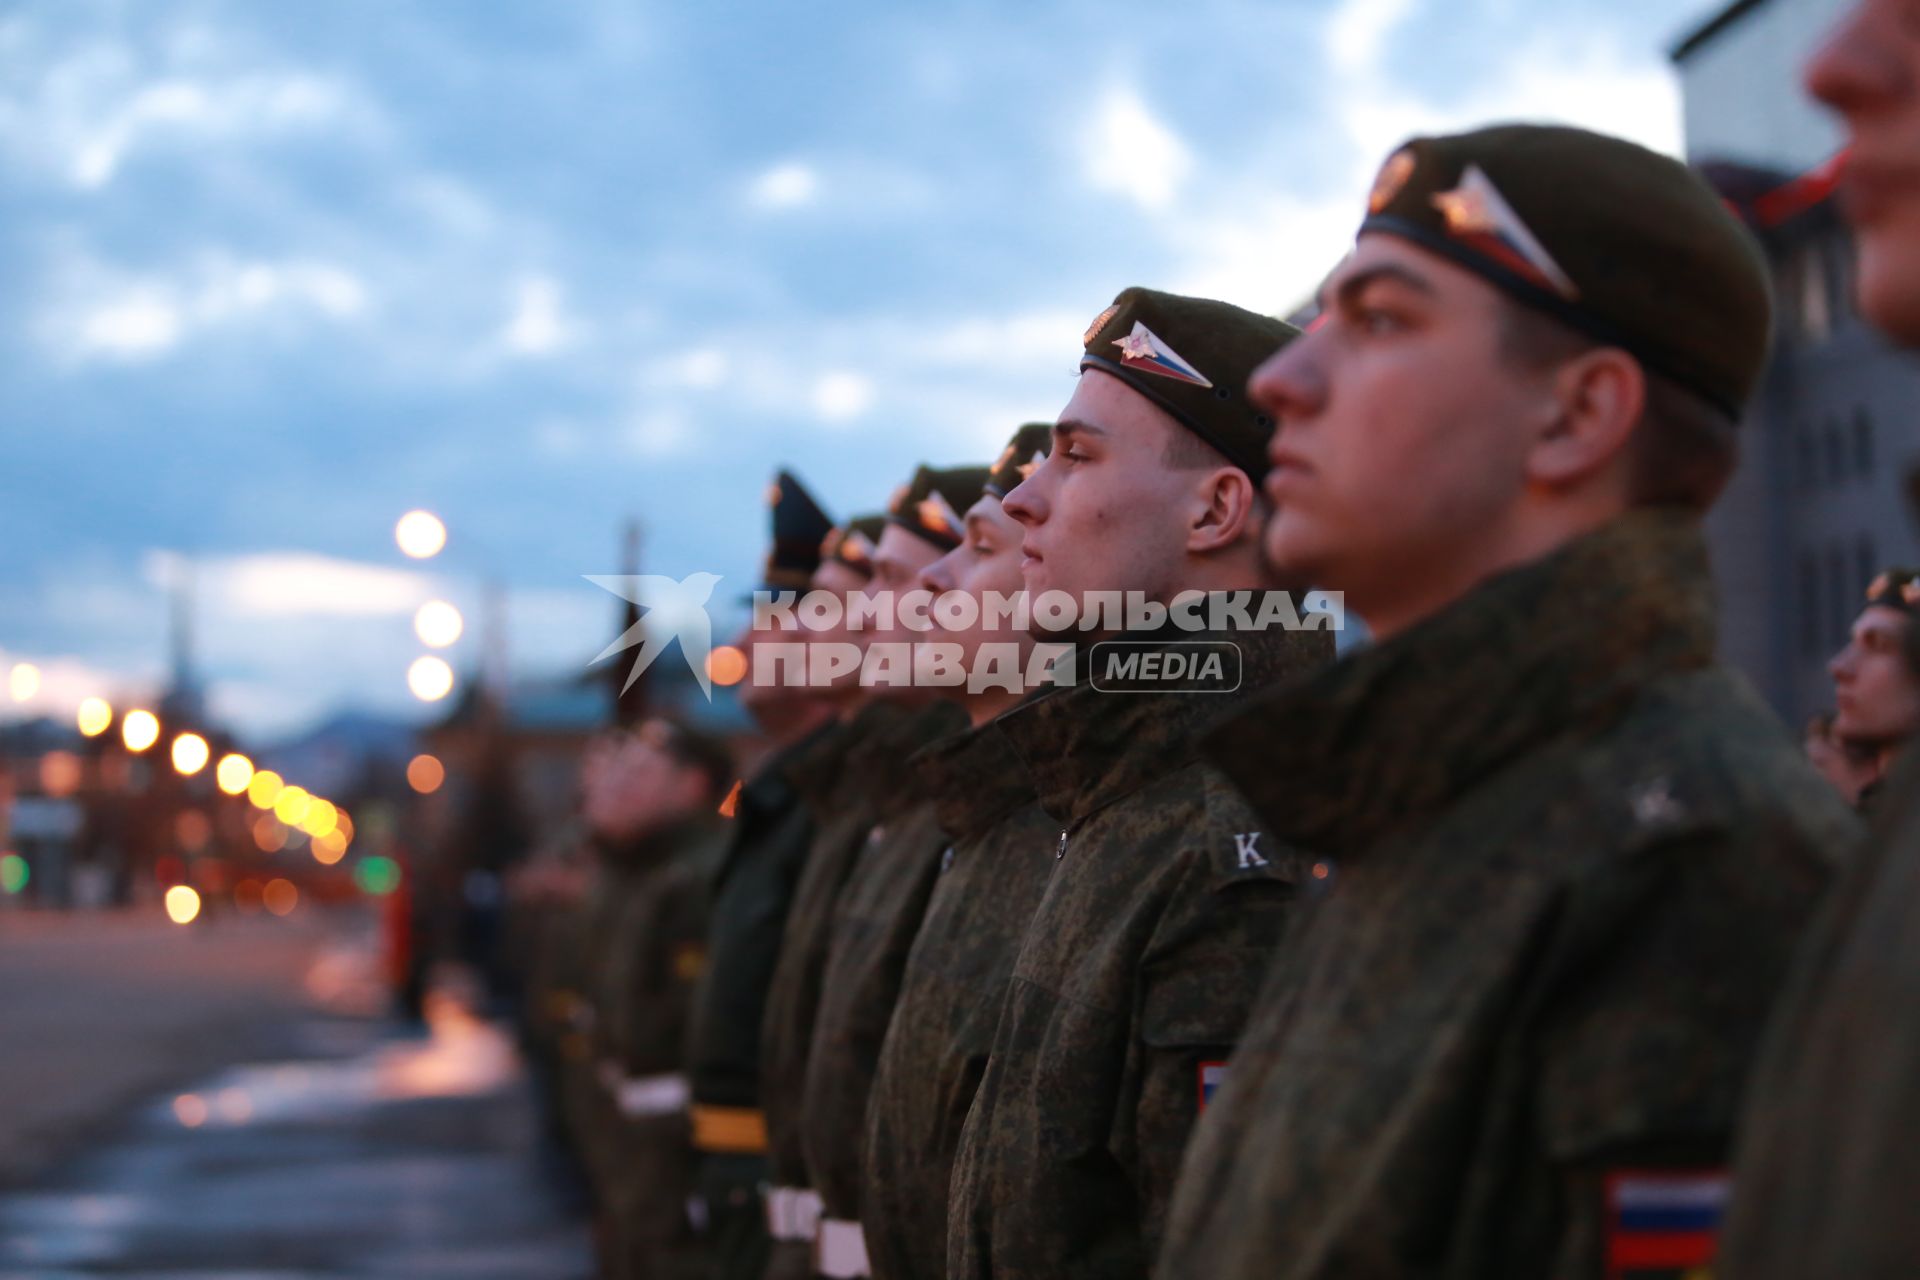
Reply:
x=779, y=782
x=1393, y=734
x=881, y=765
x=1084, y=748
x=974, y=779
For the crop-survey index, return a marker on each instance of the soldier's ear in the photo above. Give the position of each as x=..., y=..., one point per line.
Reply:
x=1593, y=404
x=1227, y=509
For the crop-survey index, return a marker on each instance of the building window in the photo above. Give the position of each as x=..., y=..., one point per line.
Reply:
x=1834, y=255
x=1840, y=621
x=1862, y=442
x=1836, y=451
x=1845, y=264
x=1816, y=317
x=1806, y=476
x=1810, y=605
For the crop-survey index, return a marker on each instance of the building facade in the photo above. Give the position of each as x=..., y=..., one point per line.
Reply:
x=1819, y=504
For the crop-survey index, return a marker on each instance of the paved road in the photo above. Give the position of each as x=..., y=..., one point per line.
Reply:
x=103, y=1009
x=356, y=1149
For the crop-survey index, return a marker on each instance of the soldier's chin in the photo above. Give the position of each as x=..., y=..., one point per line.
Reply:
x=1286, y=547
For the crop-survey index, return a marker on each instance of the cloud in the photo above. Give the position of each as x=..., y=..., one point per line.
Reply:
x=842, y=396
x=789, y=185
x=135, y=327
x=83, y=113
x=1357, y=29
x=65, y=682
x=1132, y=154
x=298, y=584
x=244, y=107
x=657, y=433
x=699, y=369
x=539, y=326
x=1267, y=244
x=103, y=313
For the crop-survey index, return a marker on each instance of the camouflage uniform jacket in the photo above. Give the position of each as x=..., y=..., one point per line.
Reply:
x=1001, y=855
x=1566, y=859
x=771, y=830
x=1135, y=975
x=874, y=921
x=1824, y=1183
x=872, y=788
x=659, y=953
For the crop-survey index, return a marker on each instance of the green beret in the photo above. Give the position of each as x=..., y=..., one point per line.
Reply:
x=934, y=503
x=852, y=544
x=798, y=526
x=1192, y=357
x=1017, y=461
x=1896, y=589
x=1629, y=247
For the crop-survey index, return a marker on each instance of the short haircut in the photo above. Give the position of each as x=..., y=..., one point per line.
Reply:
x=691, y=749
x=1684, y=449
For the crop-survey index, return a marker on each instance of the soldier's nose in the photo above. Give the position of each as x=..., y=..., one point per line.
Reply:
x=1288, y=383
x=1025, y=503
x=1852, y=68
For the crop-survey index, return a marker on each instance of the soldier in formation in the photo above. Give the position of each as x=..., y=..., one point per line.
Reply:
x=1453, y=956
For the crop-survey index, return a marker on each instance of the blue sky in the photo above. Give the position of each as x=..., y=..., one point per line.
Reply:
x=277, y=273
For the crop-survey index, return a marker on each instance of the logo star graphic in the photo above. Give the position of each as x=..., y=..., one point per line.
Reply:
x=685, y=601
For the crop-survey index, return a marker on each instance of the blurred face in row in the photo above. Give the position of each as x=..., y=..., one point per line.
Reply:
x=1868, y=71
x=1876, y=696
x=987, y=563
x=640, y=787
x=899, y=559
x=1106, y=511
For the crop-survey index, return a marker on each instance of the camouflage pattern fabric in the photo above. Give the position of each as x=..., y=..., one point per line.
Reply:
x=874, y=922
x=870, y=785
x=1565, y=858
x=656, y=960
x=1824, y=1181
x=751, y=894
x=1137, y=971
x=991, y=876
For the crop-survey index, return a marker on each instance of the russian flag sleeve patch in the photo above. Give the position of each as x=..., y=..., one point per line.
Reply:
x=1210, y=1076
x=1663, y=1224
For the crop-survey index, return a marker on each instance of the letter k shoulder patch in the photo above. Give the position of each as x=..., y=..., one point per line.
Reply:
x=1243, y=856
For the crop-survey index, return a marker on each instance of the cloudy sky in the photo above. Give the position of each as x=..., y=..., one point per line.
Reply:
x=276, y=273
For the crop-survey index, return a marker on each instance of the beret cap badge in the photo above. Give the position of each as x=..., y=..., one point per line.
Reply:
x=1391, y=179
x=1896, y=589
x=1143, y=349
x=1478, y=214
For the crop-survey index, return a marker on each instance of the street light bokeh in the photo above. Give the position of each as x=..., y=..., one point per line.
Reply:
x=322, y=818
x=23, y=681
x=430, y=678
x=420, y=534
x=183, y=904
x=291, y=805
x=264, y=788
x=425, y=773
x=94, y=718
x=726, y=666
x=190, y=754
x=438, y=624
x=140, y=730
x=234, y=773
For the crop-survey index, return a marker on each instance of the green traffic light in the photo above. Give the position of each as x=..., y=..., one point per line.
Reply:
x=377, y=876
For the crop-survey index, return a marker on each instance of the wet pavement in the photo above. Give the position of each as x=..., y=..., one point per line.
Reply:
x=364, y=1151
x=101, y=1010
